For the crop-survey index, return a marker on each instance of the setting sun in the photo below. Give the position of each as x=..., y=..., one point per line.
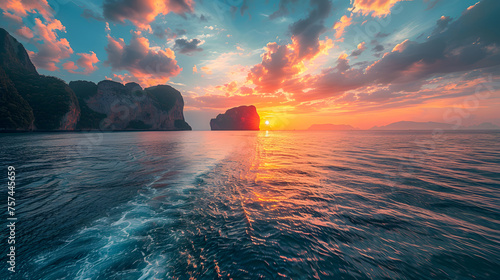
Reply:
x=266, y=122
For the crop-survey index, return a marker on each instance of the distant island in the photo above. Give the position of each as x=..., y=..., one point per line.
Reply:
x=33, y=102
x=238, y=118
x=409, y=125
x=330, y=126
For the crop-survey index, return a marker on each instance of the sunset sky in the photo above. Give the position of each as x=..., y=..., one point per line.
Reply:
x=358, y=62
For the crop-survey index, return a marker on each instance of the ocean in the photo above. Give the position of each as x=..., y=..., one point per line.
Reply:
x=254, y=205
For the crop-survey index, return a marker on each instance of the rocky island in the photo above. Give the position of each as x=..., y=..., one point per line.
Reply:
x=33, y=102
x=238, y=118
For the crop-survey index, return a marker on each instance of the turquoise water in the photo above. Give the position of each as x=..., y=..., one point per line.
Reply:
x=250, y=205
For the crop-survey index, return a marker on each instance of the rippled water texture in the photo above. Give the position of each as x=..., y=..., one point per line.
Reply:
x=249, y=205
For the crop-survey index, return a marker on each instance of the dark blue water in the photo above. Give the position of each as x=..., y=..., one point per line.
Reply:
x=251, y=205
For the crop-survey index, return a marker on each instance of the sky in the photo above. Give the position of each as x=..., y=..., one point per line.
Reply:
x=359, y=62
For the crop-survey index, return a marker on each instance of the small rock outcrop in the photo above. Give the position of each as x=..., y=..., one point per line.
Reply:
x=238, y=118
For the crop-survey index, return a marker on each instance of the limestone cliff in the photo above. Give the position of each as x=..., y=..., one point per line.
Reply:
x=30, y=101
x=113, y=106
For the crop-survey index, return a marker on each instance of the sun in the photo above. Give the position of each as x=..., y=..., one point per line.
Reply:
x=266, y=122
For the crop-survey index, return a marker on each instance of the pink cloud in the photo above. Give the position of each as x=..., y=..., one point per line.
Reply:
x=142, y=12
x=147, y=65
x=51, y=48
x=70, y=66
x=25, y=32
x=21, y=8
x=86, y=61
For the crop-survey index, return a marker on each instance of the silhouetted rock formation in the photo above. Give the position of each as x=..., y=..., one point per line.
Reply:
x=329, y=126
x=238, y=118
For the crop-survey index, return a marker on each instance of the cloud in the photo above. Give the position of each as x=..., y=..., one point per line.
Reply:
x=88, y=13
x=185, y=46
x=207, y=70
x=195, y=69
x=142, y=12
x=381, y=35
x=305, y=32
x=148, y=66
x=466, y=45
x=51, y=48
x=44, y=35
x=378, y=48
x=340, y=25
x=25, y=32
x=86, y=61
x=377, y=8
x=21, y=8
x=409, y=73
x=282, y=10
x=70, y=66
x=359, y=50
x=204, y=18
x=432, y=4
x=441, y=24
x=282, y=63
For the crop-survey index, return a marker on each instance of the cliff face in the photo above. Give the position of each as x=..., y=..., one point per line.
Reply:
x=13, y=56
x=53, y=104
x=238, y=118
x=114, y=106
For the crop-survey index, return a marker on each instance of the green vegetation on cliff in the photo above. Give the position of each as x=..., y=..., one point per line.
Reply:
x=15, y=112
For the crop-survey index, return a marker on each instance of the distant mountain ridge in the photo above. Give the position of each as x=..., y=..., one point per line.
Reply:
x=410, y=125
x=33, y=102
x=329, y=126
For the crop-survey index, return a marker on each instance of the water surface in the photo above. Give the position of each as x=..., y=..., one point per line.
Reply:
x=250, y=205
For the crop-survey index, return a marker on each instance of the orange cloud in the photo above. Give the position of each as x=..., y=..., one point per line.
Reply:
x=401, y=46
x=281, y=64
x=195, y=69
x=339, y=26
x=377, y=8
x=206, y=70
